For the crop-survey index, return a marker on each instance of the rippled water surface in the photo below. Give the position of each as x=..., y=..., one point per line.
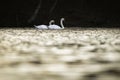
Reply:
x=69, y=54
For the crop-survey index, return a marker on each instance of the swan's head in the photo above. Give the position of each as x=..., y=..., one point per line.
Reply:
x=35, y=26
x=62, y=19
x=51, y=22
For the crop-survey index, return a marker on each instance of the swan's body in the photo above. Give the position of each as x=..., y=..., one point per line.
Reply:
x=44, y=26
x=53, y=26
x=41, y=26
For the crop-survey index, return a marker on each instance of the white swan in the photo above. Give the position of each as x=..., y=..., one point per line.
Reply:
x=51, y=22
x=53, y=26
x=41, y=26
x=44, y=26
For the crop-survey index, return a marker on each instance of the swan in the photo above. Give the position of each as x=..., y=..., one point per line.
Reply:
x=53, y=26
x=51, y=22
x=41, y=26
x=44, y=26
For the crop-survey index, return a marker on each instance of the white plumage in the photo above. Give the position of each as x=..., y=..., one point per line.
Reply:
x=44, y=26
x=41, y=27
x=53, y=26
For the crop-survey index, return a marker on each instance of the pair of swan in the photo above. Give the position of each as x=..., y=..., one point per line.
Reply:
x=51, y=25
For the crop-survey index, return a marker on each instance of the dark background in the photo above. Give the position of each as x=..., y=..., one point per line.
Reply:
x=80, y=13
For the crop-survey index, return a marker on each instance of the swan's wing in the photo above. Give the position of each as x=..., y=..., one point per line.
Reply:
x=54, y=27
x=41, y=27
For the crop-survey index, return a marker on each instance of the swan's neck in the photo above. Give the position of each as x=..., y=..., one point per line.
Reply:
x=61, y=22
x=51, y=22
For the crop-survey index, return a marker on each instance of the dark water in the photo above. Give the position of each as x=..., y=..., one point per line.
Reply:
x=80, y=13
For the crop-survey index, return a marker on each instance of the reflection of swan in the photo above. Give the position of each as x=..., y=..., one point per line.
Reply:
x=53, y=26
x=41, y=26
